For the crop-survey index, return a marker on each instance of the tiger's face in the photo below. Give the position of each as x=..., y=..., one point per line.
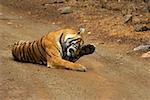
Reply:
x=72, y=44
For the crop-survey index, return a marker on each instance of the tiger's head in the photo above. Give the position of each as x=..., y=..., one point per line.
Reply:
x=72, y=43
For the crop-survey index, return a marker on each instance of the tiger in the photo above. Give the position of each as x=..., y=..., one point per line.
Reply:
x=57, y=49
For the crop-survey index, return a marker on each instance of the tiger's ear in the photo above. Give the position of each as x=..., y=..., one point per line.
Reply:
x=82, y=30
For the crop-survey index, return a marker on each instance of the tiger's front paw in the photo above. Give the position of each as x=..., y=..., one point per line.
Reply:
x=80, y=68
x=87, y=49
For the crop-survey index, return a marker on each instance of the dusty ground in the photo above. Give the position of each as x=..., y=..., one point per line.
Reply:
x=114, y=71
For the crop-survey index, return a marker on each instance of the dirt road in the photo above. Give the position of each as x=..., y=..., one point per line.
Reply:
x=112, y=73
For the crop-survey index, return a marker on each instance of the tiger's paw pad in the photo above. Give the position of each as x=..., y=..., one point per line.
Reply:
x=87, y=49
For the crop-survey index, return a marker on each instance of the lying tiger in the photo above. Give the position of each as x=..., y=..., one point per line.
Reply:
x=59, y=49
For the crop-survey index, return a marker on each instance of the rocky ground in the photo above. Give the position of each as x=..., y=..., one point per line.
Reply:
x=115, y=71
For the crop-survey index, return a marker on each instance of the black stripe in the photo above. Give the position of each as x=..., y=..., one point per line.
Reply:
x=27, y=53
x=74, y=40
x=20, y=53
x=60, y=39
x=63, y=48
x=70, y=43
x=28, y=56
x=15, y=48
x=78, y=45
x=24, y=52
x=41, y=43
x=68, y=39
x=15, y=52
x=41, y=55
x=30, y=53
x=42, y=61
x=43, y=47
x=34, y=51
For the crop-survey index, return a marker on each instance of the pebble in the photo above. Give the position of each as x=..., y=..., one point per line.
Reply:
x=9, y=23
x=59, y=1
x=143, y=47
x=85, y=20
x=140, y=28
x=127, y=18
x=82, y=30
x=146, y=55
x=66, y=10
x=20, y=17
x=18, y=26
x=53, y=23
x=29, y=12
x=1, y=14
x=119, y=40
x=149, y=70
x=89, y=33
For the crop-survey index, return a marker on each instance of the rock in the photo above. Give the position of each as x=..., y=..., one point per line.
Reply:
x=146, y=55
x=9, y=23
x=54, y=2
x=143, y=47
x=66, y=10
x=29, y=12
x=148, y=26
x=140, y=28
x=118, y=0
x=119, y=40
x=20, y=17
x=1, y=14
x=89, y=33
x=18, y=26
x=53, y=23
x=85, y=21
x=127, y=18
x=59, y=1
x=82, y=30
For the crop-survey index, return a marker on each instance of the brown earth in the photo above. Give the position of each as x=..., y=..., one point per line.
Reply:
x=114, y=71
